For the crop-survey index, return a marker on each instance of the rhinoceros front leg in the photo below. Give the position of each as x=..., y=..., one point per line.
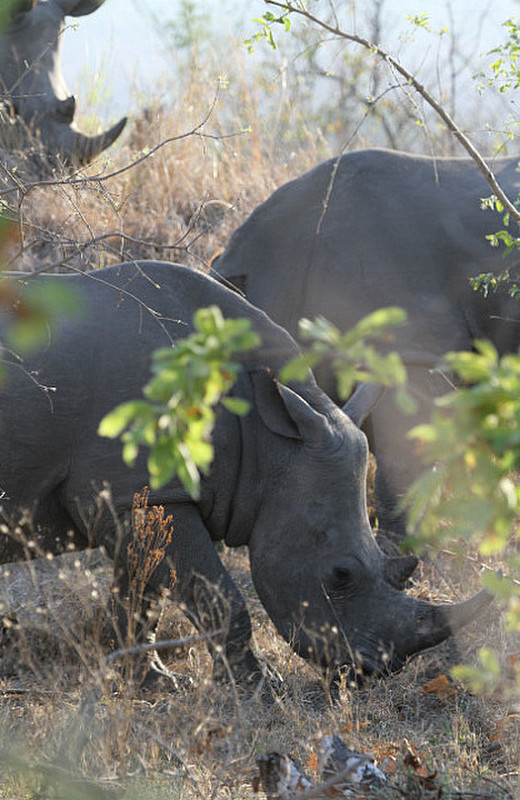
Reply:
x=196, y=578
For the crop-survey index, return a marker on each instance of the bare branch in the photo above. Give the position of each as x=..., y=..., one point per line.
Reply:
x=165, y=644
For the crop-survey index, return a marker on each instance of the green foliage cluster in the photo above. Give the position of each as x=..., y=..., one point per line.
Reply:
x=473, y=493
x=476, y=448
x=505, y=237
x=176, y=416
x=266, y=22
x=353, y=356
x=423, y=22
x=485, y=678
x=492, y=281
x=32, y=308
x=506, y=68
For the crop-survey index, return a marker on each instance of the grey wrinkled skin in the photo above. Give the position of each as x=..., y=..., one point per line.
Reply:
x=35, y=100
x=288, y=479
x=378, y=228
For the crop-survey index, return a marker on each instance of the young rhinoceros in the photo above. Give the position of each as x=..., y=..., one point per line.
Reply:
x=288, y=479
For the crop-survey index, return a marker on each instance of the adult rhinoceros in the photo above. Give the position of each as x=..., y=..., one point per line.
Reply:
x=379, y=228
x=32, y=88
x=288, y=480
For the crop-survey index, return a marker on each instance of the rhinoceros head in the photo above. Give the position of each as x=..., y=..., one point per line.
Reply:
x=316, y=565
x=32, y=87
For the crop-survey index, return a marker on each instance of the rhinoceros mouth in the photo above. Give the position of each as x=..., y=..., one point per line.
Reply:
x=356, y=675
x=416, y=626
x=371, y=659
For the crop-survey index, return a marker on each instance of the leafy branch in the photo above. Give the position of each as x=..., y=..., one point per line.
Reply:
x=506, y=68
x=474, y=441
x=176, y=416
x=266, y=21
x=352, y=355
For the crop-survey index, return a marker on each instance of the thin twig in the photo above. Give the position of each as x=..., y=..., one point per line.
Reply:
x=164, y=644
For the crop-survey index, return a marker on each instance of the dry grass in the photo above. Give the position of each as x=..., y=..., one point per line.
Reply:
x=180, y=203
x=68, y=728
x=64, y=716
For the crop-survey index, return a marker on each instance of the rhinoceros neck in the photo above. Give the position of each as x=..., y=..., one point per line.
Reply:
x=237, y=493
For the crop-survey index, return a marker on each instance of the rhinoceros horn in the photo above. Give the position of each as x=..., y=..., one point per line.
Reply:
x=435, y=623
x=360, y=404
x=75, y=147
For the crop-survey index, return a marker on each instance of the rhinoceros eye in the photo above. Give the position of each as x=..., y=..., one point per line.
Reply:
x=343, y=575
x=345, y=580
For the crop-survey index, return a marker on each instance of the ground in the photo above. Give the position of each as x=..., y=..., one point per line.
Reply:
x=63, y=717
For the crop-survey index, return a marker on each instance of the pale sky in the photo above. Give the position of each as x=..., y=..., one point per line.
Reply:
x=120, y=43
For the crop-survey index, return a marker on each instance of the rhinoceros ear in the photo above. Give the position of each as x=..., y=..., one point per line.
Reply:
x=285, y=413
x=360, y=404
x=79, y=8
x=397, y=569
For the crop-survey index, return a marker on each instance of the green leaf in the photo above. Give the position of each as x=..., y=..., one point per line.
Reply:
x=130, y=452
x=502, y=588
x=380, y=320
x=28, y=334
x=161, y=463
x=425, y=432
x=297, y=369
x=120, y=417
x=236, y=405
x=347, y=376
x=189, y=474
x=201, y=453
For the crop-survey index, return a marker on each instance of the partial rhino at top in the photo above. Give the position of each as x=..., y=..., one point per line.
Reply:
x=33, y=95
x=288, y=479
x=378, y=228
